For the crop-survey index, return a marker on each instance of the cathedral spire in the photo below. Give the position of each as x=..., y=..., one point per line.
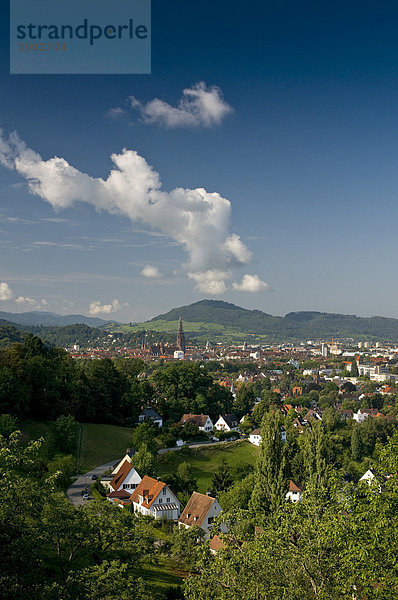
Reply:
x=180, y=336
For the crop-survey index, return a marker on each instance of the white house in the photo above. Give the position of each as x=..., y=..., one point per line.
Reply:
x=227, y=423
x=255, y=436
x=368, y=476
x=126, y=478
x=201, y=510
x=295, y=492
x=148, y=414
x=203, y=422
x=154, y=498
x=128, y=456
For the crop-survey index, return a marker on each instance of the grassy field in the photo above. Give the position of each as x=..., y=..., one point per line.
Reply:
x=32, y=430
x=102, y=443
x=162, y=575
x=205, y=461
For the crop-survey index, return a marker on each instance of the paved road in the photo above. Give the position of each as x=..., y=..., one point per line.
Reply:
x=74, y=493
x=196, y=445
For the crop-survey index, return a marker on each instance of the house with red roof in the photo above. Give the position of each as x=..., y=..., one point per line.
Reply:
x=203, y=422
x=126, y=478
x=201, y=510
x=154, y=498
x=295, y=492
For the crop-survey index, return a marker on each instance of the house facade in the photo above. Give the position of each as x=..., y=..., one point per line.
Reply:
x=295, y=492
x=148, y=414
x=203, y=422
x=227, y=423
x=154, y=498
x=201, y=510
x=126, y=479
x=255, y=436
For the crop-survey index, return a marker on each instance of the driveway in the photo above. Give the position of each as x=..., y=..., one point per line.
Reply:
x=74, y=493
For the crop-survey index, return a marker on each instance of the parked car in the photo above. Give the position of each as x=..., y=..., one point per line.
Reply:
x=94, y=477
x=86, y=496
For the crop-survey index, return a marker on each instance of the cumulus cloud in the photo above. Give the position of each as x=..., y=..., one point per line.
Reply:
x=199, y=105
x=211, y=282
x=151, y=272
x=32, y=302
x=197, y=220
x=5, y=291
x=250, y=283
x=96, y=308
x=115, y=113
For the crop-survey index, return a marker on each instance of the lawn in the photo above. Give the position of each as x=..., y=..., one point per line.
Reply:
x=162, y=575
x=205, y=461
x=32, y=430
x=102, y=443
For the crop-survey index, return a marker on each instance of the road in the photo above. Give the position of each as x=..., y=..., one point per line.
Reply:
x=196, y=445
x=74, y=492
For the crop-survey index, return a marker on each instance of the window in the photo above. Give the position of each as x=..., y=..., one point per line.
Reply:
x=168, y=500
x=164, y=491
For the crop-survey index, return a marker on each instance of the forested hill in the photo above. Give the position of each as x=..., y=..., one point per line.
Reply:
x=297, y=325
x=9, y=334
x=50, y=319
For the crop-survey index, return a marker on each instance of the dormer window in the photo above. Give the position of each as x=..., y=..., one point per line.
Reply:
x=188, y=515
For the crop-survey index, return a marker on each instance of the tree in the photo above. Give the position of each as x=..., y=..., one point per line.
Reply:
x=317, y=456
x=356, y=443
x=144, y=433
x=64, y=434
x=222, y=478
x=144, y=461
x=270, y=487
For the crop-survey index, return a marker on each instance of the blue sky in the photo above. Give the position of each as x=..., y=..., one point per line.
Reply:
x=307, y=158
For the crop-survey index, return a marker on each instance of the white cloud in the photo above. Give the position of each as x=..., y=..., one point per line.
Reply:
x=115, y=113
x=211, y=282
x=5, y=291
x=250, y=283
x=237, y=248
x=151, y=271
x=197, y=220
x=32, y=302
x=199, y=105
x=105, y=309
x=23, y=300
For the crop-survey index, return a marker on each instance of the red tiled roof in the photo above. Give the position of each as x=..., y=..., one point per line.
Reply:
x=293, y=487
x=149, y=489
x=120, y=494
x=121, y=475
x=216, y=543
x=196, y=510
x=199, y=420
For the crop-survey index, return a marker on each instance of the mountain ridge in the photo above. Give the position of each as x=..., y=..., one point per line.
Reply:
x=297, y=325
x=50, y=318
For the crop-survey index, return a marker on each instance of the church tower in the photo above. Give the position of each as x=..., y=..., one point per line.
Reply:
x=180, y=336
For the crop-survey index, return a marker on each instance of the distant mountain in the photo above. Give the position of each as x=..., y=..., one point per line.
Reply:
x=49, y=318
x=295, y=325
